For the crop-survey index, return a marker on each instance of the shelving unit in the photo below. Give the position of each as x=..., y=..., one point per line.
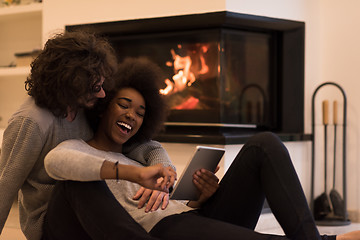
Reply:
x=12, y=18
x=14, y=71
x=20, y=11
x=20, y=31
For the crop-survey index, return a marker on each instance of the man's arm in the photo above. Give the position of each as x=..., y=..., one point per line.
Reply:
x=21, y=148
x=68, y=162
x=150, y=153
x=73, y=160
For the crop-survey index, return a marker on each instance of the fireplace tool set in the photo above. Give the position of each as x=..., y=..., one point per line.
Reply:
x=329, y=209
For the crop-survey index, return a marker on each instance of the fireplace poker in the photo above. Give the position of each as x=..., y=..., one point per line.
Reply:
x=325, y=123
x=336, y=200
x=322, y=203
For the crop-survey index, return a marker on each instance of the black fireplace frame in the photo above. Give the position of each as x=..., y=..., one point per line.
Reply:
x=290, y=52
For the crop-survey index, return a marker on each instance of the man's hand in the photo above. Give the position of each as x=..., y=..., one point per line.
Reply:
x=153, y=199
x=148, y=177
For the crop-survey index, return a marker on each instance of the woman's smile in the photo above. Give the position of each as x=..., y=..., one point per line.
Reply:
x=122, y=120
x=124, y=127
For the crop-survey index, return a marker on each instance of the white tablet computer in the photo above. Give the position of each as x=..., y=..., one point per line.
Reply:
x=204, y=157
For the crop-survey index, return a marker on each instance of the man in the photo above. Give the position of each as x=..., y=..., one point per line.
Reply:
x=70, y=74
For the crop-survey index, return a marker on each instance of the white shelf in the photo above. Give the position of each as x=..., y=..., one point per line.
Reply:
x=19, y=14
x=14, y=71
x=20, y=31
x=16, y=11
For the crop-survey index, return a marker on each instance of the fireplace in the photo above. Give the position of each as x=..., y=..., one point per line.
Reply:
x=228, y=75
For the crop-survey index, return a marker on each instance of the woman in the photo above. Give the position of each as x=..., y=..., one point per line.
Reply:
x=129, y=117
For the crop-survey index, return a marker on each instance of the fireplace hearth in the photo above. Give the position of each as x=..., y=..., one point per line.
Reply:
x=228, y=75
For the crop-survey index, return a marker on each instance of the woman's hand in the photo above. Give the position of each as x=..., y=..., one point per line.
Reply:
x=207, y=183
x=153, y=198
x=148, y=177
x=156, y=177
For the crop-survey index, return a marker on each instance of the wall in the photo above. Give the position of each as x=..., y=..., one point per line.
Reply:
x=340, y=51
x=110, y=10
x=328, y=56
x=332, y=55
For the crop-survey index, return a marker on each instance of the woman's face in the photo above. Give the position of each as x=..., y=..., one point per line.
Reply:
x=123, y=117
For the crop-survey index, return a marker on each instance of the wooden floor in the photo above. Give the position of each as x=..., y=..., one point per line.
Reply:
x=267, y=224
x=12, y=229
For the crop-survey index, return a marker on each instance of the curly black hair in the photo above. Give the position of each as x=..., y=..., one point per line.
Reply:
x=146, y=77
x=67, y=68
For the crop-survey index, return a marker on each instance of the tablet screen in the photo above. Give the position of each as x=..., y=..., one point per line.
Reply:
x=204, y=157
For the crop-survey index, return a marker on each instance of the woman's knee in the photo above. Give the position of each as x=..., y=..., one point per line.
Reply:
x=269, y=143
x=265, y=139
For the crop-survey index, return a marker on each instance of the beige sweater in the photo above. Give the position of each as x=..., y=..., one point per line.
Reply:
x=76, y=160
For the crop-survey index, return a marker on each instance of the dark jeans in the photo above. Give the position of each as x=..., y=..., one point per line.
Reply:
x=262, y=168
x=88, y=210
x=80, y=210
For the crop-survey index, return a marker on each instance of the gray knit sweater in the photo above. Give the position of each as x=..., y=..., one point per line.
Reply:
x=31, y=133
x=71, y=160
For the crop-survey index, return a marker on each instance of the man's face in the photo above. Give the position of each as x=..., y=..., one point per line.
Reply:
x=97, y=92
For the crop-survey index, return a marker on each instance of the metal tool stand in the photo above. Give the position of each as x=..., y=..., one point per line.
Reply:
x=329, y=221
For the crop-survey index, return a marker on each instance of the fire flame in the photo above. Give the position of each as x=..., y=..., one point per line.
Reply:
x=185, y=72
